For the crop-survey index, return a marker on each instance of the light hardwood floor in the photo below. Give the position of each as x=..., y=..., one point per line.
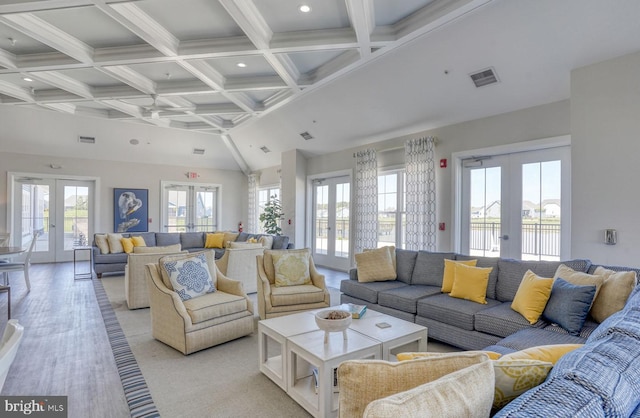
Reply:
x=65, y=350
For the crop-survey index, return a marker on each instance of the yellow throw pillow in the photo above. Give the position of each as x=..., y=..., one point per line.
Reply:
x=115, y=246
x=613, y=295
x=514, y=377
x=102, y=243
x=532, y=296
x=449, y=272
x=579, y=278
x=375, y=265
x=215, y=240
x=127, y=245
x=138, y=242
x=471, y=283
x=549, y=353
x=291, y=268
x=418, y=354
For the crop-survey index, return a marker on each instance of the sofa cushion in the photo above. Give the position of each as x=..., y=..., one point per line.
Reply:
x=470, y=283
x=452, y=311
x=280, y=242
x=148, y=237
x=568, y=305
x=375, y=265
x=486, y=262
x=501, y=320
x=405, y=263
x=463, y=393
x=214, y=240
x=511, y=272
x=296, y=295
x=291, y=268
x=516, y=376
x=189, y=275
x=192, y=240
x=580, y=278
x=614, y=292
x=214, y=305
x=551, y=353
x=608, y=367
x=532, y=296
x=367, y=292
x=115, y=246
x=429, y=268
x=102, y=243
x=450, y=272
x=405, y=298
x=531, y=337
x=623, y=322
x=164, y=239
x=152, y=250
x=120, y=258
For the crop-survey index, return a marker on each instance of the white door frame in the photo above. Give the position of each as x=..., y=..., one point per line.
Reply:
x=164, y=184
x=458, y=157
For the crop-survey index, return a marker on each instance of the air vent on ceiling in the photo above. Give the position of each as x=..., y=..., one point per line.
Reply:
x=87, y=139
x=306, y=135
x=484, y=77
x=265, y=149
x=198, y=151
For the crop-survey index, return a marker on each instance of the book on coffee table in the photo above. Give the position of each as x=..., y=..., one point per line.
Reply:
x=357, y=311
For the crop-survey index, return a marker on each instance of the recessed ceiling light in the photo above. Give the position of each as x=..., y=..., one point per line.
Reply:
x=305, y=8
x=241, y=64
x=27, y=79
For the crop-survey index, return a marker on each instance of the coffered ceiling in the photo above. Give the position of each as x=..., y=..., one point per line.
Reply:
x=257, y=73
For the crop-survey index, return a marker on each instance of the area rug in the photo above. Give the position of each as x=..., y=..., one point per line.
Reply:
x=222, y=381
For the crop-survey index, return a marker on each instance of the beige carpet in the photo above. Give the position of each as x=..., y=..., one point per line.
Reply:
x=222, y=381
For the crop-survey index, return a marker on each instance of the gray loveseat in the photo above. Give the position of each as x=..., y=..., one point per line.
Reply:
x=189, y=241
x=416, y=297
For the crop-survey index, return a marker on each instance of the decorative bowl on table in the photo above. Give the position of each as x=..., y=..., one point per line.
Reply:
x=333, y=320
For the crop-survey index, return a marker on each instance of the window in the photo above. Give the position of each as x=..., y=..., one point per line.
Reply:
x=391, y=209
x=264, y=195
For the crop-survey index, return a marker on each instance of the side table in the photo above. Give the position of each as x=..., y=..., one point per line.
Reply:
x=86, y=275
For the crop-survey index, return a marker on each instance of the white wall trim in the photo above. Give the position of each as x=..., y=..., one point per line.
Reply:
x=456, y=182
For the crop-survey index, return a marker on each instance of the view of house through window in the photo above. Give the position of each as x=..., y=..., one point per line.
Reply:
x=391, y=209
x=190, y=208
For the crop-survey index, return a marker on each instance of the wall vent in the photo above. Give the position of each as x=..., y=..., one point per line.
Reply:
x=87, y=139
x=306, y=135
x=484, y=77
x=198, y=151
x=265, y=149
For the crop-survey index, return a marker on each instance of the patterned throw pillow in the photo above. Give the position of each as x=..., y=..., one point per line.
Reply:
x=515, y=377
x=189, y=276
x=291, y=268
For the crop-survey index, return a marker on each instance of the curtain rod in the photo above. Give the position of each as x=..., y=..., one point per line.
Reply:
x=435, y=142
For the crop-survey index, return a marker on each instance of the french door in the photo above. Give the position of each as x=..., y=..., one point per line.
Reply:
x=61, y=210
x=190, y=207
x=331, y=206
x=517, y=205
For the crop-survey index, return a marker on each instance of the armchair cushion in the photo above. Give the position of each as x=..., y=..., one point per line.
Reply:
x=291, y=269
x=296, y=295
x=189, y=275
x=214, y=305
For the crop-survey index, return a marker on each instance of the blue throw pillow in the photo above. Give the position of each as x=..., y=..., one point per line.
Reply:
x=569, y=305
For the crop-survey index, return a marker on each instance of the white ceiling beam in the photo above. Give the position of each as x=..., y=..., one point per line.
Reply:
x=18, y=92
x=362, y=17
x=50, y=35
x=231, y=146
x=130, y=77
x=63, y=82
x=129, y=109
x=144, y=26
x=61, y=107
x=7, y=59
x=21, y=6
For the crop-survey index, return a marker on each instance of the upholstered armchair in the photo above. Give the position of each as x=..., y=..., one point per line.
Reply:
x=136, y=290
x=200, y=322
x=276, y=299
x=240, y=264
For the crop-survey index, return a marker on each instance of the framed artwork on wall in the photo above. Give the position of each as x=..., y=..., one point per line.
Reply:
x=130, y=210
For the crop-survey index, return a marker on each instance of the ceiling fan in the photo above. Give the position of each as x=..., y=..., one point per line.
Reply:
x=156, y=108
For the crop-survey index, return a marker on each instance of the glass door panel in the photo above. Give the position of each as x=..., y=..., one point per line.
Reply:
x=176, y=210
x=485, y=211
x=190, y=208
x=331, y=209
x=76, y=217
x=321, y=227
x=343, y=206
x=205, y=209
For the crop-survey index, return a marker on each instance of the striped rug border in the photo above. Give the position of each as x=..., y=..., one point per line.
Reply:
x=135, y=387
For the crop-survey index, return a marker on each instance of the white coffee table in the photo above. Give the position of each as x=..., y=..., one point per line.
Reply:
x=308, y=350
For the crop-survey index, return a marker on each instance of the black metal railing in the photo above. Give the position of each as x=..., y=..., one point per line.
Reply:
x=537, y=239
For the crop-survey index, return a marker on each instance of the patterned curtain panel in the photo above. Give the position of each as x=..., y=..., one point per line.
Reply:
x=252, y=222
x=420, y=194
x=366, y=204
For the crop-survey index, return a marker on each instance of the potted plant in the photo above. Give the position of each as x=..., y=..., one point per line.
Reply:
x=271, y=216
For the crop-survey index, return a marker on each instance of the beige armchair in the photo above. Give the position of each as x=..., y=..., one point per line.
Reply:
x=201, y=322
x=136, y=290
x=277, y=301
x=240, y=264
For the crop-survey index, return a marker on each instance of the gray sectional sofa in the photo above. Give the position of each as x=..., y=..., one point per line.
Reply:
x=189, y=241
x=416, y=297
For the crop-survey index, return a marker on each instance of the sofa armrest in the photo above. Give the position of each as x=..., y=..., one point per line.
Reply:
x=233, y=287
x=166, y=305
x=316, y=278
x=264, y=289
